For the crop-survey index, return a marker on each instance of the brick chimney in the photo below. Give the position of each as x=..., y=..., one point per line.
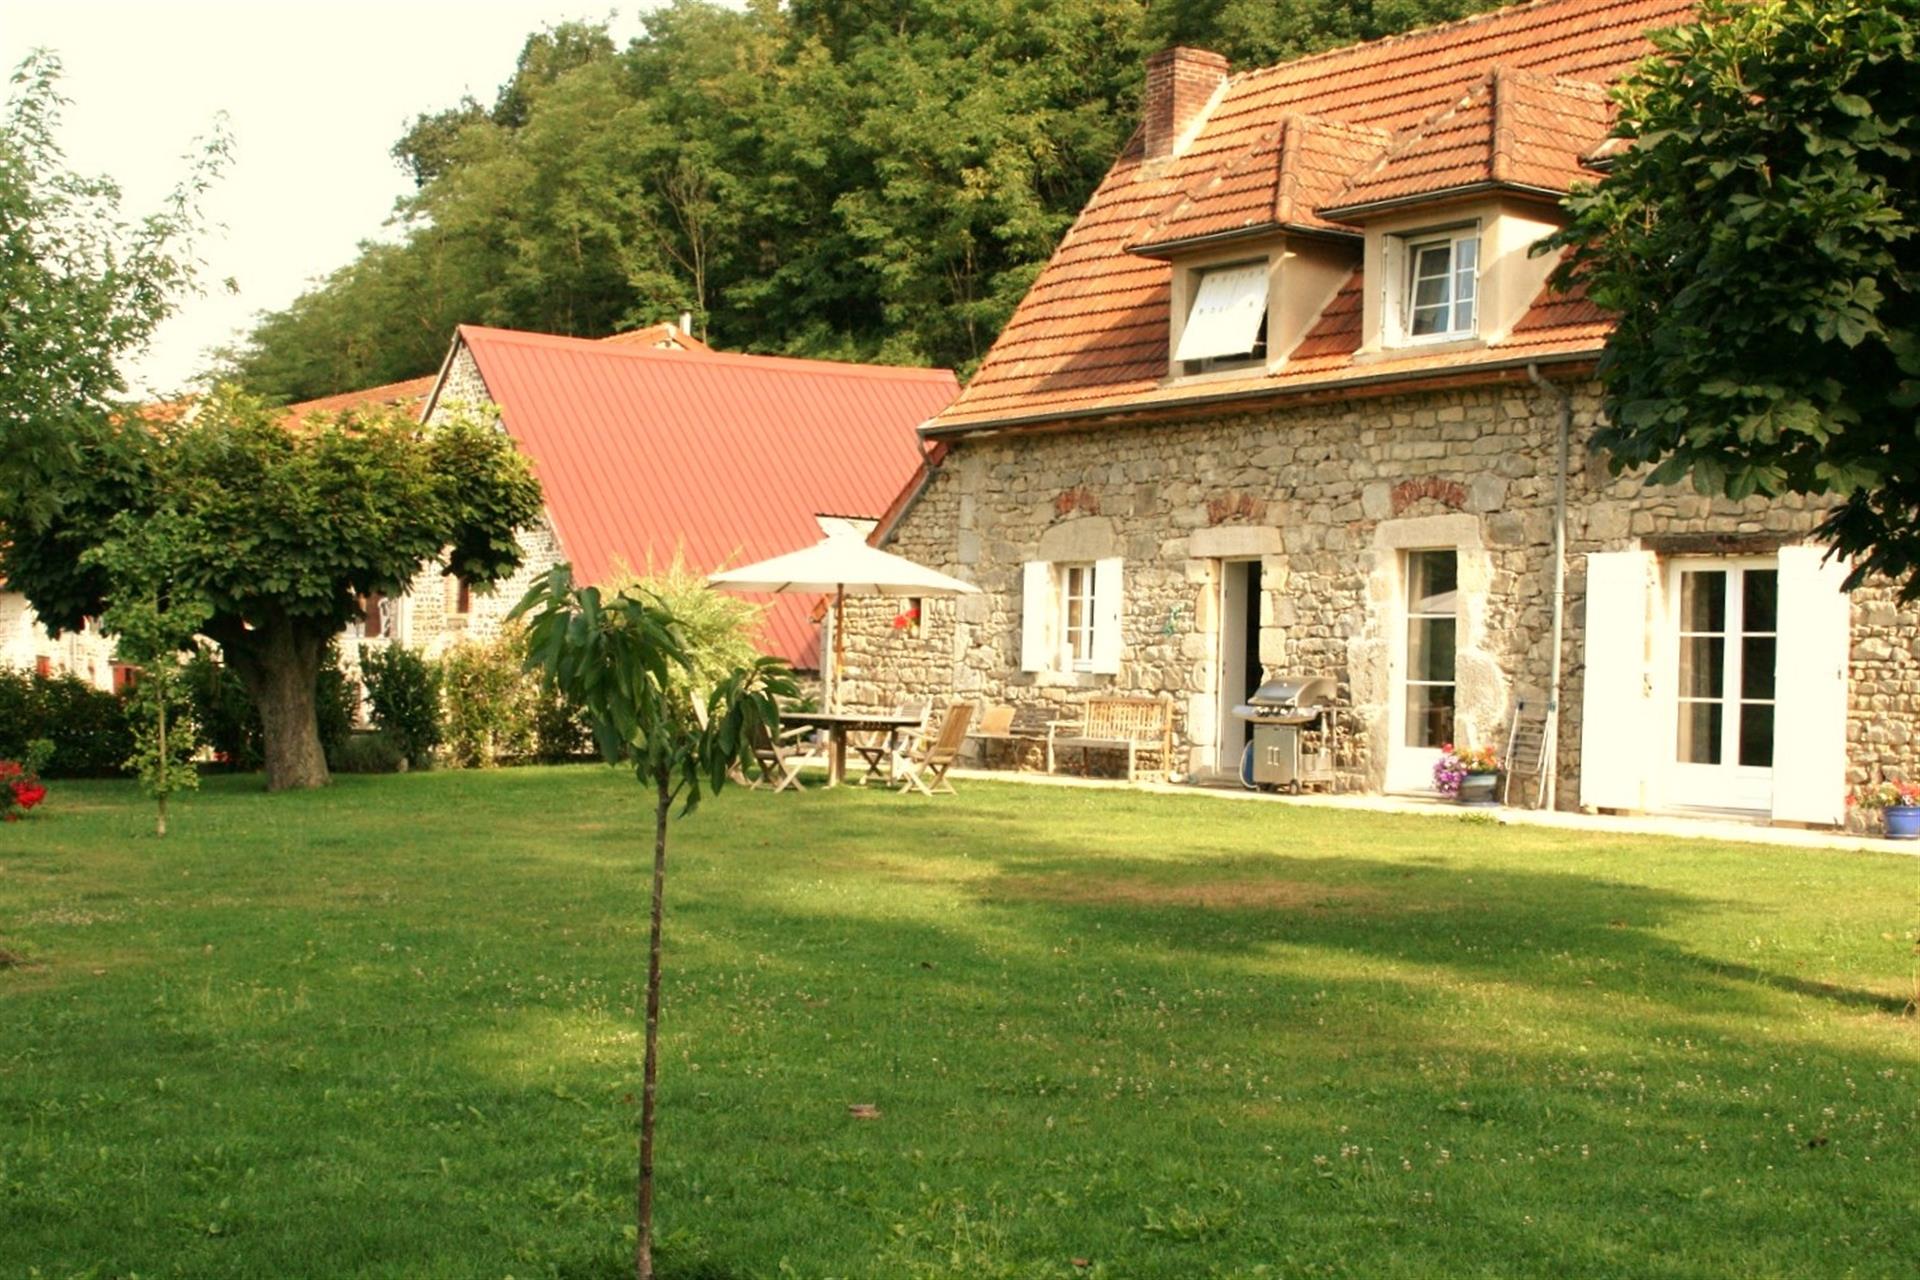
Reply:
x=1180, y=84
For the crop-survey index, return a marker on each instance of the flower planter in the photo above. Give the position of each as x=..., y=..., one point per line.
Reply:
x=1479, y=789
x=1903, y=821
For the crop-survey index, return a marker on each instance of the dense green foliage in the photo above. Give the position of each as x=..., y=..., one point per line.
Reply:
x=1176, y=1037
x=87, y=726
x=83, y=288
x=403, y=699
x=1761, y=246
x=284, y=532
x=488, y=702
x=821, y=178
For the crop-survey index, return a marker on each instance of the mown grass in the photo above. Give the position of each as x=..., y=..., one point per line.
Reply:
x=391, y=1030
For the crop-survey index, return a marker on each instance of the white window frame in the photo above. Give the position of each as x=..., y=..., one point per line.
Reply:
x=1253, y=356
x=1074, y=584
x=1411, y=247
x=1050, y=640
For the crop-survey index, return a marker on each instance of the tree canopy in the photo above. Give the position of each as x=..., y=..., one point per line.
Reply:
x=1758, y=244
x=278, y=532
x=828, y=178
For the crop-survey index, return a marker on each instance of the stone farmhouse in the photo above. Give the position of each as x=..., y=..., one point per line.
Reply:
x=1292, y=397
x=651, y=447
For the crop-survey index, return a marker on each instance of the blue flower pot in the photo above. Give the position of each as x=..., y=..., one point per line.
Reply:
x=1903, y=822
x=1479, y=789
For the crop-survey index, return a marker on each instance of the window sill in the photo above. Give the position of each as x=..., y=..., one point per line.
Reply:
x=1066, y=679
x=1252, y=369
x=1406, y=350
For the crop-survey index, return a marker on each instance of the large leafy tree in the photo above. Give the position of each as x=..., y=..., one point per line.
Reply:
x=279, y=530
x=84, y=287
x=1757, y=243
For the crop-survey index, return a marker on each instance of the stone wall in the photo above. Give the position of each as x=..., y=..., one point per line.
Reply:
x=1327, y=498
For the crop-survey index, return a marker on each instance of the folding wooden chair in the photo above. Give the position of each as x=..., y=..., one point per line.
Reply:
x=779, y=757
x=930, y=756
x=881, y=748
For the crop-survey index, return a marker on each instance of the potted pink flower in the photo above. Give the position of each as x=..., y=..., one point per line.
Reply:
x=1898, y=804
x=1467, y=775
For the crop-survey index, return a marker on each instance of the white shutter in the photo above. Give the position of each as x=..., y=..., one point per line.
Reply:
x=1615, y=717
x=1038, y=606
x=1810, y=689
x=1226, y=313
x=1106, y=616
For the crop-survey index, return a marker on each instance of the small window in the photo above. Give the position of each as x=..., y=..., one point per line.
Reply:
x=459, y=596
x=1226, y=326
x=1076, y=617
x=124, y=678
x=43, y=667
x=1433, y=593
x=1442, y=287
x=372, y=621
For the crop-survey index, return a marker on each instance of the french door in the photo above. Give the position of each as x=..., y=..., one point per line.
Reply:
x=1725, y=658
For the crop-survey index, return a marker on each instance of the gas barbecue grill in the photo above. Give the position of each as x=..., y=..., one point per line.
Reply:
x=1296, y=727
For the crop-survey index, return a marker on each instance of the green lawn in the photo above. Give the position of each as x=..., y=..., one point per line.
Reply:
x=391, y=1030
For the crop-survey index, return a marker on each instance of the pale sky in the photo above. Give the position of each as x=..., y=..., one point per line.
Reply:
x=315, y=94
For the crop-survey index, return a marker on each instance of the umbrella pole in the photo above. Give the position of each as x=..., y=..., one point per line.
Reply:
x=839, y=639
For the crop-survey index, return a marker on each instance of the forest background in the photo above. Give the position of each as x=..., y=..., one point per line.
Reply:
x=874, y=180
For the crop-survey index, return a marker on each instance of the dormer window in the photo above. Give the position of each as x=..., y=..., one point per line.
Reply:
x=1442, y=286
x=1226, y=327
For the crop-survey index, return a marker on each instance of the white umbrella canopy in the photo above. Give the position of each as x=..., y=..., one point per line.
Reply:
x=840, y=565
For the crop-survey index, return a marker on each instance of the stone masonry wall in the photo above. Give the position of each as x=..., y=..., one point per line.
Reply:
x=1327, y=497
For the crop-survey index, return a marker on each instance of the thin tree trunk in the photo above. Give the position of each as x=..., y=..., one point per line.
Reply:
x=650, y=1071
x=160, y=826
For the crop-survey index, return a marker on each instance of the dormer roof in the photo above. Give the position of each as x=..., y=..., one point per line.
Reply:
x=1276, y=183
x=1512, y=131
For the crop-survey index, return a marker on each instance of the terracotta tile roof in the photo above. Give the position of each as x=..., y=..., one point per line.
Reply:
x=720, y=458
x=1511, y=130
x=1092, y=332
x=391, y=395
x=1278, y=182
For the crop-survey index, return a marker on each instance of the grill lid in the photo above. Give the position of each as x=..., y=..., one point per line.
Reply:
x=1293, y=691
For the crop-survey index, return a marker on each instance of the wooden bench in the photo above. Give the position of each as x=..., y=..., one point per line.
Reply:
x=1021, y=729
x=1141, y=727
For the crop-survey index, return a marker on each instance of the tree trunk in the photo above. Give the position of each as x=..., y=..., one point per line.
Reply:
x=161, y=765
x=280, y=665
x=650, y=1071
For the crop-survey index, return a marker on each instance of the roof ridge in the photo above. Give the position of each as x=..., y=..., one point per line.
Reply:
x=1499, y=136
x=706, y=358
x=1416, y=33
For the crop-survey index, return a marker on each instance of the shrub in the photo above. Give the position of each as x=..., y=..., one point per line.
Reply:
x=333, y=699
x=403, y=689
x=365, y=753
x=87, y=726
x=560, y=729
x=229, y=721
x=489, y=701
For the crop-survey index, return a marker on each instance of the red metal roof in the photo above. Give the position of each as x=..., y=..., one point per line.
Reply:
x=1091, y=334
x=722, y=459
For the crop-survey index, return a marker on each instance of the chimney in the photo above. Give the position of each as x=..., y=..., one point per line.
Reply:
x=1180, y=84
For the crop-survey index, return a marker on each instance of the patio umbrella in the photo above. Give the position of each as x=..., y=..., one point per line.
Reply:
x=840, y=565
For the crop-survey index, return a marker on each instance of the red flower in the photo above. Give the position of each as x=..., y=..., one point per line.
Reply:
x=901, y=621
x=28, y=794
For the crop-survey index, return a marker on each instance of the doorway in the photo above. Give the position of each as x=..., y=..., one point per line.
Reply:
x=1240, y=670
x=1724, y=669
